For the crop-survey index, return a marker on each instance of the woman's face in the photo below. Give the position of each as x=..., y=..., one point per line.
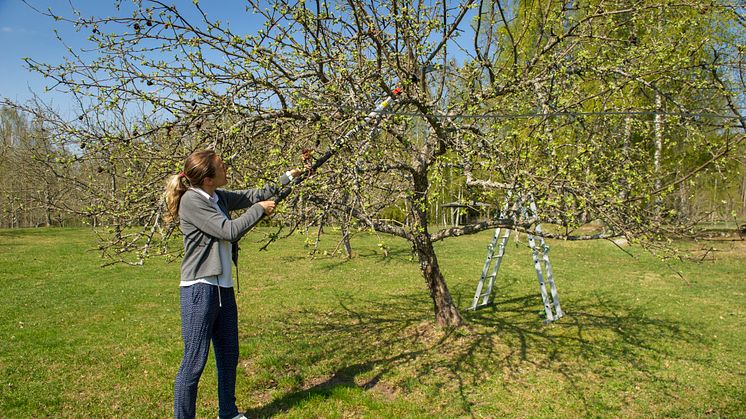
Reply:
x=221, y=169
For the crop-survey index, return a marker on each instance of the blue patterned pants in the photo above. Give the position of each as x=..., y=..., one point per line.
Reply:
x=202, y=321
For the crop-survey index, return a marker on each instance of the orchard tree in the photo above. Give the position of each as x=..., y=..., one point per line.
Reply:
x=31, y=195
x=579, y=104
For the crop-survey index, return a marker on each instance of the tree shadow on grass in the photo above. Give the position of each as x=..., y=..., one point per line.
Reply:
x=599, y=339
x=346, y=376
x=383, y=345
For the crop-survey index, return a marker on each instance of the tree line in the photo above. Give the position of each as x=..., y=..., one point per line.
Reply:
x=32, y=195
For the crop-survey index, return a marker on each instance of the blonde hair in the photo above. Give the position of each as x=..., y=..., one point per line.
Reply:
x=197, y=166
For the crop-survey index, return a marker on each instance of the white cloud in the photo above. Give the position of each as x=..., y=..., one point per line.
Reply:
x=7, y=29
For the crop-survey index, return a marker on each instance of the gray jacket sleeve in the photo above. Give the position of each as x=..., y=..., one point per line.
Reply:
x=199, y=212
x=245, y=198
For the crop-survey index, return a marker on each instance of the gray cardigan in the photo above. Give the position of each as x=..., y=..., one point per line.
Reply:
x=203, y=226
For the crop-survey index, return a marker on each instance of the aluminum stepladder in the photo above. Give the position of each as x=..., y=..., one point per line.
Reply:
x=540, y=253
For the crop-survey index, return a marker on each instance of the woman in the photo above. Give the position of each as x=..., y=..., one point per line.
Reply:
x=208, y=305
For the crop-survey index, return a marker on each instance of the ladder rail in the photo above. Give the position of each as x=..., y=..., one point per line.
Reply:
x=485, y=269
x=500, y=253
x=540, y=276
x=548, y=268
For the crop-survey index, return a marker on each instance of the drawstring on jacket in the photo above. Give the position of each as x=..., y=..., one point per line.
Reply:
x=220, y=299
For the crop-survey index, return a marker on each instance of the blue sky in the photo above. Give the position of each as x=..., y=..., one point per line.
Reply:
x=26, y=33
x=23, y=33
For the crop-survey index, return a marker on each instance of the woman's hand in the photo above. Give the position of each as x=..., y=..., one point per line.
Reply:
x=269, y=207
x=295, y=172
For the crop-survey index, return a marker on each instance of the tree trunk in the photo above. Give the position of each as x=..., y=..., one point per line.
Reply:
x=446, y=313
x=48, y=208
x=346, y=236
x=743, y=190
x=658, y=152
x=626, y=141
x=683, y=202
x=345, y=221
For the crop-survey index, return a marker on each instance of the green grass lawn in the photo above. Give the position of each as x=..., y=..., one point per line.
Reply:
x=334, y=338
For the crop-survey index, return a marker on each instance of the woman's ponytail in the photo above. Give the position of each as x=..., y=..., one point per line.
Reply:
x=175, y=188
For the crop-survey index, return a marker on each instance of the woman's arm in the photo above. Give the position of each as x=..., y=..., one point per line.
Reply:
x=203, y=215
x=245, y=198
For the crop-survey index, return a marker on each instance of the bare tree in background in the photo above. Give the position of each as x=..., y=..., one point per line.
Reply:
x=32, y=195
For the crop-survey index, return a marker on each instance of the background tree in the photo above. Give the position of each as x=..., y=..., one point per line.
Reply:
x=580, y=104
x=31, y=194
x=657, y=78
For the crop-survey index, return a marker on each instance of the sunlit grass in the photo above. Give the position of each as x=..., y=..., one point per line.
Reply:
x=334, y=338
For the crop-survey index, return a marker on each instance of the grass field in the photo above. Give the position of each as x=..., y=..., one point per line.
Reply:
x=336, y=338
